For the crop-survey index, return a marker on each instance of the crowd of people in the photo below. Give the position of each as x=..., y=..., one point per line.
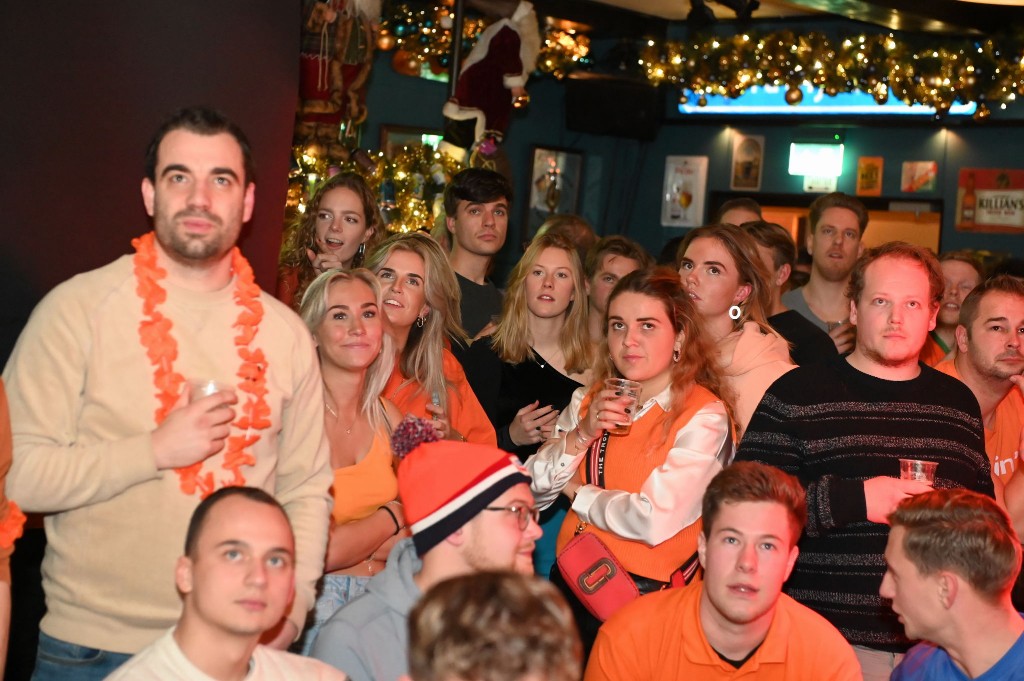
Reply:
x=606, y=469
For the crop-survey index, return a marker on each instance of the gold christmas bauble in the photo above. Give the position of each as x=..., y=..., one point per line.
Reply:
x=405, y=63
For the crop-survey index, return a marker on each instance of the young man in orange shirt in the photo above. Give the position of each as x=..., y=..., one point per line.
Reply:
x=736, y=623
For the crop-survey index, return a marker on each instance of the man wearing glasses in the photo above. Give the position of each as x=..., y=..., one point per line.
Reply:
x=470, y=509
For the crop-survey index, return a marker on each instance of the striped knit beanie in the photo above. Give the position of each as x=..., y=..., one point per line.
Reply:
x=444, y=484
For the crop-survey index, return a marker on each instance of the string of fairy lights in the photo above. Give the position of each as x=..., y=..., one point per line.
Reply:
x=930, y=70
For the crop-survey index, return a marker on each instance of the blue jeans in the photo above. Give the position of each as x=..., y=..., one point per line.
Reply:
x=335, y=591
x=59, y=660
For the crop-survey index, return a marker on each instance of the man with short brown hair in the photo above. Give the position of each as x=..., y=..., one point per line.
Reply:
x=607, y=261
x=736, y=622
x=951, y=560
x=836, y=224
x=236, y=580
x=110, y=443
x=989, y=361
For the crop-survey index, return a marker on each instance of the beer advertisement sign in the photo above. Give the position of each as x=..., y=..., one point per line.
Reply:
x=990, y=200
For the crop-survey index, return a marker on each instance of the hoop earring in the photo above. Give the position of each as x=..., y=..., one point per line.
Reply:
x=360, y=253
x=420, y=321
x=735, y=312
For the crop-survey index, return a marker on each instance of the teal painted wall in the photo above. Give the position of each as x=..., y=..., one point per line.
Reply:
x=622, y=178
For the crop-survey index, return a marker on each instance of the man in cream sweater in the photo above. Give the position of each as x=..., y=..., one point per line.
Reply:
x=107, y=439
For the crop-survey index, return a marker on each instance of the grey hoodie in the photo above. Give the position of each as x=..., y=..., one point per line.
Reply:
x=368, y=638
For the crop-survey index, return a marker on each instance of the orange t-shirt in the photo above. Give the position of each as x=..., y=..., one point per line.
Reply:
x=659, y=637
x=932, y=353
x=1003, y=438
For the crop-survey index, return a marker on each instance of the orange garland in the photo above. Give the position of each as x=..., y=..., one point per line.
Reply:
x=162, y=350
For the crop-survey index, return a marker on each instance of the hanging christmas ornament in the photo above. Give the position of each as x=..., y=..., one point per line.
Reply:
x=405, y=63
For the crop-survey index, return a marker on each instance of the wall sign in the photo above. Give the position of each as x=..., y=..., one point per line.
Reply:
x=990, y=200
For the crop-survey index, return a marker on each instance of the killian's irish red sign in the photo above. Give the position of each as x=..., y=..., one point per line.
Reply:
x=990, y=200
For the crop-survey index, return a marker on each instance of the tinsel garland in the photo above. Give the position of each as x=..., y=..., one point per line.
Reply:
x=936, y=75
x=917, y=69
x=408, y=187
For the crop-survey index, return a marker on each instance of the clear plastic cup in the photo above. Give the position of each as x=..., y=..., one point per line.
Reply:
x=919, y=470
x=630, y=391
x=198, y=388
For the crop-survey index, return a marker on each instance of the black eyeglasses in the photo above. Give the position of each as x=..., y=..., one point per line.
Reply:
x=522, y=513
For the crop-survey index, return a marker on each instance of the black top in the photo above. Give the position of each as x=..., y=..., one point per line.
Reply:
x=480, y=302
x=503, y=389
x=834, y=427
x=807, y=342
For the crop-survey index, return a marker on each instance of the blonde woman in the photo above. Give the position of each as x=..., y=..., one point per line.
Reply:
x=343, y=312
x=341, y=223
x=722, y=270
x=540, y=353
x=421, y=301
x=525, y=373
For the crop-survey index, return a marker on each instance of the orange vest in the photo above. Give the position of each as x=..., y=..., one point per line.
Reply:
x=628, y=462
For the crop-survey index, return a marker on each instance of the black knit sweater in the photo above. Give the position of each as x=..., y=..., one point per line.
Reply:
x=834, y=427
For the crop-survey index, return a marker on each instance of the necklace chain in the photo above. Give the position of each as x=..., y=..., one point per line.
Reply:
x=348, y=431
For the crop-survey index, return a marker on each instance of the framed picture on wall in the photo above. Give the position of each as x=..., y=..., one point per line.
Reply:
x=394, y=137
x=555, y=180
x=682, y=198
x=919, y=176
x=869, y=175
x=747, y=162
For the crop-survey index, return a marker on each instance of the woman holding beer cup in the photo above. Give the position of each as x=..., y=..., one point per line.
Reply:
x=635, y=469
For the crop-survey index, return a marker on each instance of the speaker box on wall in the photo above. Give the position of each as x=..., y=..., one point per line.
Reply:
x=604, y=105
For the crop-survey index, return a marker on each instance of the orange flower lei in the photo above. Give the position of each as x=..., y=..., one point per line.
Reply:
x=162, y=350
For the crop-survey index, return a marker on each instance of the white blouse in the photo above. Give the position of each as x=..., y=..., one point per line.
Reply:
x=669, y=499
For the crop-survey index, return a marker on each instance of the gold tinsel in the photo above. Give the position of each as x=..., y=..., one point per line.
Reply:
x=407, y=187
x=934, y=75
x=921, y=69
x=563, y=52
x=425, y=32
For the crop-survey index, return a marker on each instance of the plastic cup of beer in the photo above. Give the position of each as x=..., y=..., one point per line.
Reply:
x=919, y=470
x=630, y=398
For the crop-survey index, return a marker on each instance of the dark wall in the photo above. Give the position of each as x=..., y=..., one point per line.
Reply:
x=85, y=84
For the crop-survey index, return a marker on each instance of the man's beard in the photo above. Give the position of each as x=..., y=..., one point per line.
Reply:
x=192, y=250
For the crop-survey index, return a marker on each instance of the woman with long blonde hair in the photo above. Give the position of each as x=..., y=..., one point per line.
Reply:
x=640, y=491
x=539, y=354
x=421, y=301
x=340, y=224
x=343, y=312
x=722, y=270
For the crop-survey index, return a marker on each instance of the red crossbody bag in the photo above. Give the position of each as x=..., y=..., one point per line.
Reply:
x=592, y=571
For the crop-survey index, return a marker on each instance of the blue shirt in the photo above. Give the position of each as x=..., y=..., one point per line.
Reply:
x=928, y=662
